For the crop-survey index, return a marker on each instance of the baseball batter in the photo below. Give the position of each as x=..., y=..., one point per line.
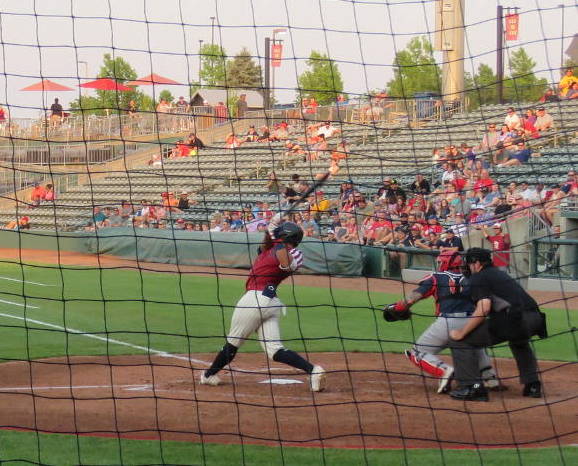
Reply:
x=451, y=292
x=259, y=309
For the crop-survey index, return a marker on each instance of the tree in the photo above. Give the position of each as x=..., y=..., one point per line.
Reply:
x=523, y=85
x=243, y=72
x=415, y=70
x=166, y=95
x=106, y=102
x=482, y=88
x=322, y=81
x=213, y=65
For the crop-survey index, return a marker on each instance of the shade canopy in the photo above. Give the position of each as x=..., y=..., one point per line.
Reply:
x=47, y=85
x=106, y=84
x=151, y=80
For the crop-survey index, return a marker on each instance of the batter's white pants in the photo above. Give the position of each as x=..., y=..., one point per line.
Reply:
x=257, y=313
x=437, y=336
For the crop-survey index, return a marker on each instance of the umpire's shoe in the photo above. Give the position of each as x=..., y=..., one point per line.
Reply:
x=476, y=392
x=533, y=389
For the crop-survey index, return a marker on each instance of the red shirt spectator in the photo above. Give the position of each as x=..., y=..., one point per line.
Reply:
x=500, y=245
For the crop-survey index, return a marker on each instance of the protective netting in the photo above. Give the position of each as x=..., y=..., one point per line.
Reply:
x=145, y=150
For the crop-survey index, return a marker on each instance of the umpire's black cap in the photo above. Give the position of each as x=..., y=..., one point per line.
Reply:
x=484, y=256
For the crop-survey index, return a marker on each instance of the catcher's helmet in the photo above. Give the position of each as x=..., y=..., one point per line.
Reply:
x=289, y=232
x=449, y=261
x=484, y=256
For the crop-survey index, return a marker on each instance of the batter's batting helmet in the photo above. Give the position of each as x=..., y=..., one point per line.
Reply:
x=449, y=261
x=481, y=255
x=289, y=232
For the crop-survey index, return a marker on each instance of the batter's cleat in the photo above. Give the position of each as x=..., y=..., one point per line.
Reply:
x=317, y=379
x=445, y=382
x=494, y=385
x=476, y=392
x=212, y=380
x=533, y=390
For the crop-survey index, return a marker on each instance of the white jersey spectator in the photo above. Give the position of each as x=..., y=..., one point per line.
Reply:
x=512, y=120
x=544, y=121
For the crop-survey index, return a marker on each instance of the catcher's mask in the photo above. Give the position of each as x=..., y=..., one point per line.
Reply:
x=449, y=261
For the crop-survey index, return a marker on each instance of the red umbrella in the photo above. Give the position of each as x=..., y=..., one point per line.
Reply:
x=47, y=85
x=106, y=84
x=152, y=79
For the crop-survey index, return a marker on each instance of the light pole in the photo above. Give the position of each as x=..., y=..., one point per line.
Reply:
x=276, y=31
x=82, y=62
x=200, y=61
x=212, y=18
x=562, y=42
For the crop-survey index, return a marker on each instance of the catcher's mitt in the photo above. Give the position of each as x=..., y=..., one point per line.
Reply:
x=395, y=312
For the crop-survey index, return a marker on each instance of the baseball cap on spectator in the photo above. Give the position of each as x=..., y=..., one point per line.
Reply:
x=181, y=220
x=541, y=109
x=431, y=217
x=477, y=207
x=497, y=225
x=330, y=232
x=26, y=218
x=184, y=193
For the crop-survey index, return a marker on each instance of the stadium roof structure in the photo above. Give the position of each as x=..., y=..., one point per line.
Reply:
x=214, y=96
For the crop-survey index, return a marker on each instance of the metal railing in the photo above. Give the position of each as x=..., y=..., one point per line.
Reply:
x=555, y=258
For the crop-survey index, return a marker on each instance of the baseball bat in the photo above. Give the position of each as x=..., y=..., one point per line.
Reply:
x=314, y=187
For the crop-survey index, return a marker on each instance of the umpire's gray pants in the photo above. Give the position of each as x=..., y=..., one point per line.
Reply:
x=436, y=338
x=466, y=364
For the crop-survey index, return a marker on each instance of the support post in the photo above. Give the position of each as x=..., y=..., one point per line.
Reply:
x=267, y=90
x=500, y=52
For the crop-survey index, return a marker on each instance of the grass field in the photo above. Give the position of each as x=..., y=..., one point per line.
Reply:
x=125, y=312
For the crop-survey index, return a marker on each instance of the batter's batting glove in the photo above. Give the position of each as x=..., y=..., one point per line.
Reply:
x=396, y=311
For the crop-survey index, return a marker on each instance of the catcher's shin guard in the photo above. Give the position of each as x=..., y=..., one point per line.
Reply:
x=435, y=370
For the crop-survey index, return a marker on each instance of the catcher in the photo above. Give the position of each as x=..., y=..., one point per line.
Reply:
x=451, y=292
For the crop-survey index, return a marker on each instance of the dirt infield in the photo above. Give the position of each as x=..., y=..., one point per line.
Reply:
x=549, y=299
x=372, y=400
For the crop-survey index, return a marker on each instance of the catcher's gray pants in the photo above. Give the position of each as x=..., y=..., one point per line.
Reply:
x=436, y=338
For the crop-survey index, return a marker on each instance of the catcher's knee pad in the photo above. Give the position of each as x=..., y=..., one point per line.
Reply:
x=417, y=358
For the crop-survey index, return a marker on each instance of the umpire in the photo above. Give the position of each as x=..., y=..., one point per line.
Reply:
x=504, y=312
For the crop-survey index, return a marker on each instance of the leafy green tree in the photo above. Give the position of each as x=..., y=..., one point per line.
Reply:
x=415, y=70
x=482, y=88
x=107, y=102
x=166, y=95
x=243, y=72
x=523, y=85
x=213, y=66
x=322, y=80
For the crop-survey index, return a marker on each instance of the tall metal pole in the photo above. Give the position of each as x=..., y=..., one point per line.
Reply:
x=267, y=90
x=212, y=30
x=562, y=43
x=500, y=53
x=200, y=61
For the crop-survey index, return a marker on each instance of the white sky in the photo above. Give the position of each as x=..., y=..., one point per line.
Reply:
x=40, y=38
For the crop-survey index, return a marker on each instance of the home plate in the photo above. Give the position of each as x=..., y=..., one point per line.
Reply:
x=281, y=381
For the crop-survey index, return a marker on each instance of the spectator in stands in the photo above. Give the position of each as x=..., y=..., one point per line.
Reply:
x=293, y=150
x=500, y=246
x=570, y=186
x=242, y=106
x=573, y=91
x=115, y=219
x=266, y=135
x=544, y=122
x=551, y=205
x=195, y=144
x=502, y=207
x=420, y=185
x=328, y=130
x=184, y=201
x=309, y=225
x=567, y=81
x=181, y=106
x=401, y=239
x=221, y=113
x=352, y=231
x=156, y=160
x=56, y=113
x=2, y=116
x=49, y=195
x=319, y=203
x=451, y=242
x=99, y=219
x=252, y=134
x=232, y=142
x=519, y=157
x=512, y=120
x=163, y=106
x=273, y=185
x=330, y=236
x=549, y=96
x=530, y=116
x=22, y=224
x=461, y=205
x=37, y=195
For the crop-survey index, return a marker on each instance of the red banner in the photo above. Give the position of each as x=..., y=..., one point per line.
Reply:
x=276, y=55
x=512, y=26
